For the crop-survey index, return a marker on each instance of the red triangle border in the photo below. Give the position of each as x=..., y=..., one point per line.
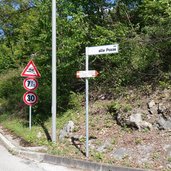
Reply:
x=23, y=74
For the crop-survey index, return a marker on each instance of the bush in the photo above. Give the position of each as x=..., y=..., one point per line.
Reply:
x=11, y=90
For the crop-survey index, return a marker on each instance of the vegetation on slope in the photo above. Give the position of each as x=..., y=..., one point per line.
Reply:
x=140, y=27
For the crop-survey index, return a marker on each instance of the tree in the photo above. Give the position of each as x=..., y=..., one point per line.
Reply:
x=141, y=27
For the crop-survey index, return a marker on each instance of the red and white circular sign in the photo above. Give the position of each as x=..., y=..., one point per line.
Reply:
x=30, y=84
x=30, y=98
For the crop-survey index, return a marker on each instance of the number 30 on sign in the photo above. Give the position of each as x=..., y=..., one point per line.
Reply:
x=30, y=98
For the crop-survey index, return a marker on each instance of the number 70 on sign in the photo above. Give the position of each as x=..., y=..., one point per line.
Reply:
x=30, y=84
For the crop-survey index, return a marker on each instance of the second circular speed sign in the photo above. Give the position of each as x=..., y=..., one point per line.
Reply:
x=30, y=84
x=30, y=98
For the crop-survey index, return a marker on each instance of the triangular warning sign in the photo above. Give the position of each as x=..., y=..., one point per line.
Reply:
x=30, y=70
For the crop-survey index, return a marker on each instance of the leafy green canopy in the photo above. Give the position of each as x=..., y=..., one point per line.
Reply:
x=141, y=27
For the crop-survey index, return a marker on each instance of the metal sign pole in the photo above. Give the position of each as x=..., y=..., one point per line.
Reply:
x=54, y=94
x=107, y=49
x=87, y=107
x=30, y=117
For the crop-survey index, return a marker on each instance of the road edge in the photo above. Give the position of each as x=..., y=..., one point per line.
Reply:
x=63, y=161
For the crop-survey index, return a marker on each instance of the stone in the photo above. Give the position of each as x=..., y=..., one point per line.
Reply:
x=136, y=120
x=169, y=166
x=67, y=129
x=63, y=134
x=152, y=107
x=103, y=147
x=145, y=152
x=120, y=153
x=145, y=124
x=151, y=104
x=165, y=110
x=161, y=108
x=39, y=135
x=167, y=148
x=164, y=123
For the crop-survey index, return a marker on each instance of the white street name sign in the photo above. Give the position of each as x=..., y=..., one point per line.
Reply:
x=87, y=74
x=99, y=50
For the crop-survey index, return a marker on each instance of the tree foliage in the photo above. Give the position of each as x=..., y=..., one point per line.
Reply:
x=140, y=27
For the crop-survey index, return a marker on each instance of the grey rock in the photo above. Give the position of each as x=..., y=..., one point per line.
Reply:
x=67, y=129
x=152, y=107
x=164, y=109
x=164, y=123
x=136, y=120
x=120, y=153
x=144, y=153
x=167, y=148
x=151, y=104
x=103, y=147
x=161, y=108
x=169, y=166
x=145, y=124
x=63, y=134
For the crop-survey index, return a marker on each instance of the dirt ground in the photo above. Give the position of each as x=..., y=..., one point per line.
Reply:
x=114, y=144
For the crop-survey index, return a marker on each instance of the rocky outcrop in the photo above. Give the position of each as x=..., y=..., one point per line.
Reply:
x=157, y=114
x=134, y=121
x=164, y=119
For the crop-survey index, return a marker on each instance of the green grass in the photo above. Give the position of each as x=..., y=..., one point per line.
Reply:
x=20, y=128
x=17, y=127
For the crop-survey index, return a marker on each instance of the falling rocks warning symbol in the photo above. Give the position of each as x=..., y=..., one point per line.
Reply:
x=30, y=70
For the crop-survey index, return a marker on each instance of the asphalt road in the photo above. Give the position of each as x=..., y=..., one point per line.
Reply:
x=9, y=162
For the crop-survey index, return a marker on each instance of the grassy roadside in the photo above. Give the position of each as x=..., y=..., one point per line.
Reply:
x=37, y=136
x=19, y=128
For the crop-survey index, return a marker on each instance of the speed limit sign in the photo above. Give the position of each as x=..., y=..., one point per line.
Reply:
x=30, y=98
x=30, y=84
